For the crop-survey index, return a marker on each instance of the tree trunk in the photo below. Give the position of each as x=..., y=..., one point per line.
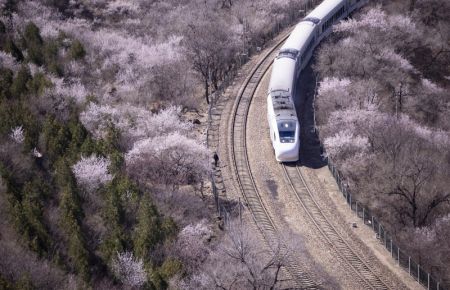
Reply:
x=207, y=90
x=412, y=5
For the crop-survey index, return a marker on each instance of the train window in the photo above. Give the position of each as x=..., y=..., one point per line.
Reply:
x=310, y=46
x=286, y=130
x=312, y=19
x=291, y=53
x=287, y=134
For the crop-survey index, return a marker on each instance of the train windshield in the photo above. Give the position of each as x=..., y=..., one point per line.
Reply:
x=286, y=130
x=291, y=53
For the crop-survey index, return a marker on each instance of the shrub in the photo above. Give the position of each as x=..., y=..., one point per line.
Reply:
x=170, y=268
x=54, y=68
x=61, y=5
x=33, y=42
x=10, y=47
x=77, y=50
x=2, y=27
x=77, y=251
x=24, y=283
x=32, y=35
x=6, y=80
x=50, y=50
x=170, y=228
x=38, y=84
x=71, y=214
x=158, y=281
x=56, y=139
x=13, y=114
x=119, y=194
x=34, y=229
x=50, y=54
x=5, y=284
x=19, y=85
x=148, y=231
x=110, y=146
x=35, y=55
x=113, y=214
x=26, y=203
x=9, y=7
x=66, y=140
x=78, y=134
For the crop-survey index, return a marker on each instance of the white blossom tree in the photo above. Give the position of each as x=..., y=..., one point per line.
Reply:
x=192, y=244
x=129, y=270
x=345, y=142
x=171, y=160
x=92, y=172
x=134, y=123
x=17, y=135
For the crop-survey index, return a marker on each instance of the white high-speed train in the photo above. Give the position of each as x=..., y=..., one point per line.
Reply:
x=293, y=56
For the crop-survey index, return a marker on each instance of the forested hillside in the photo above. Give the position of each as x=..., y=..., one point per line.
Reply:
x=101, y=171
x=383, y=109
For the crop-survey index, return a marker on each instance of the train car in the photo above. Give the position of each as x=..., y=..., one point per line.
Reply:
x=306, y=39
x=283, y=123
x=293, y=56
x=327, y=13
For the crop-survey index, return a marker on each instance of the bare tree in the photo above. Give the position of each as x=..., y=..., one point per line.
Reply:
x=243, y=261
x=227, y=3
x=210, y=48
x=415, y=184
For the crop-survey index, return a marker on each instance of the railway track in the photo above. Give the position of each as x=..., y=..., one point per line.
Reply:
x=239, y=160
x=365, y=274
x=244, y=177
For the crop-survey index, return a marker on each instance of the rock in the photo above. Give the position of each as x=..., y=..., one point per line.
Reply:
x=196, y=121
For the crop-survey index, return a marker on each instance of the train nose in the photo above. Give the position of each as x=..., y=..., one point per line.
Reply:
x=287, y=152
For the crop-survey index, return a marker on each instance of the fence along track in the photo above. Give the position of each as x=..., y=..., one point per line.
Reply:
x=239, y=161
x=367, y=277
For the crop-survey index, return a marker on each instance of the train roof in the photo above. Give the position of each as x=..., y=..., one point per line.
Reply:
x=283, y=71
x=325, y=8
x=284, y=107
x=299, y=37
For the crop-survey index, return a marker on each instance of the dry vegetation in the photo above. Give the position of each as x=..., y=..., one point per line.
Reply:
x=383, y=110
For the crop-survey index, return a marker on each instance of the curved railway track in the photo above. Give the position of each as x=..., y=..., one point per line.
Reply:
x=243, y=174
x=365, y=274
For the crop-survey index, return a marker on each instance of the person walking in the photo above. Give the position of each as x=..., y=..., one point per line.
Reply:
x=216, y=159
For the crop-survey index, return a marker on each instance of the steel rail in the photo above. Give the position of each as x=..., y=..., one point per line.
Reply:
x=304, y=195
x=259, y=212
x=243, y=174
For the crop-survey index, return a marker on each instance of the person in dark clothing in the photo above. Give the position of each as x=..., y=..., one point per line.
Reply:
x=216, y=159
